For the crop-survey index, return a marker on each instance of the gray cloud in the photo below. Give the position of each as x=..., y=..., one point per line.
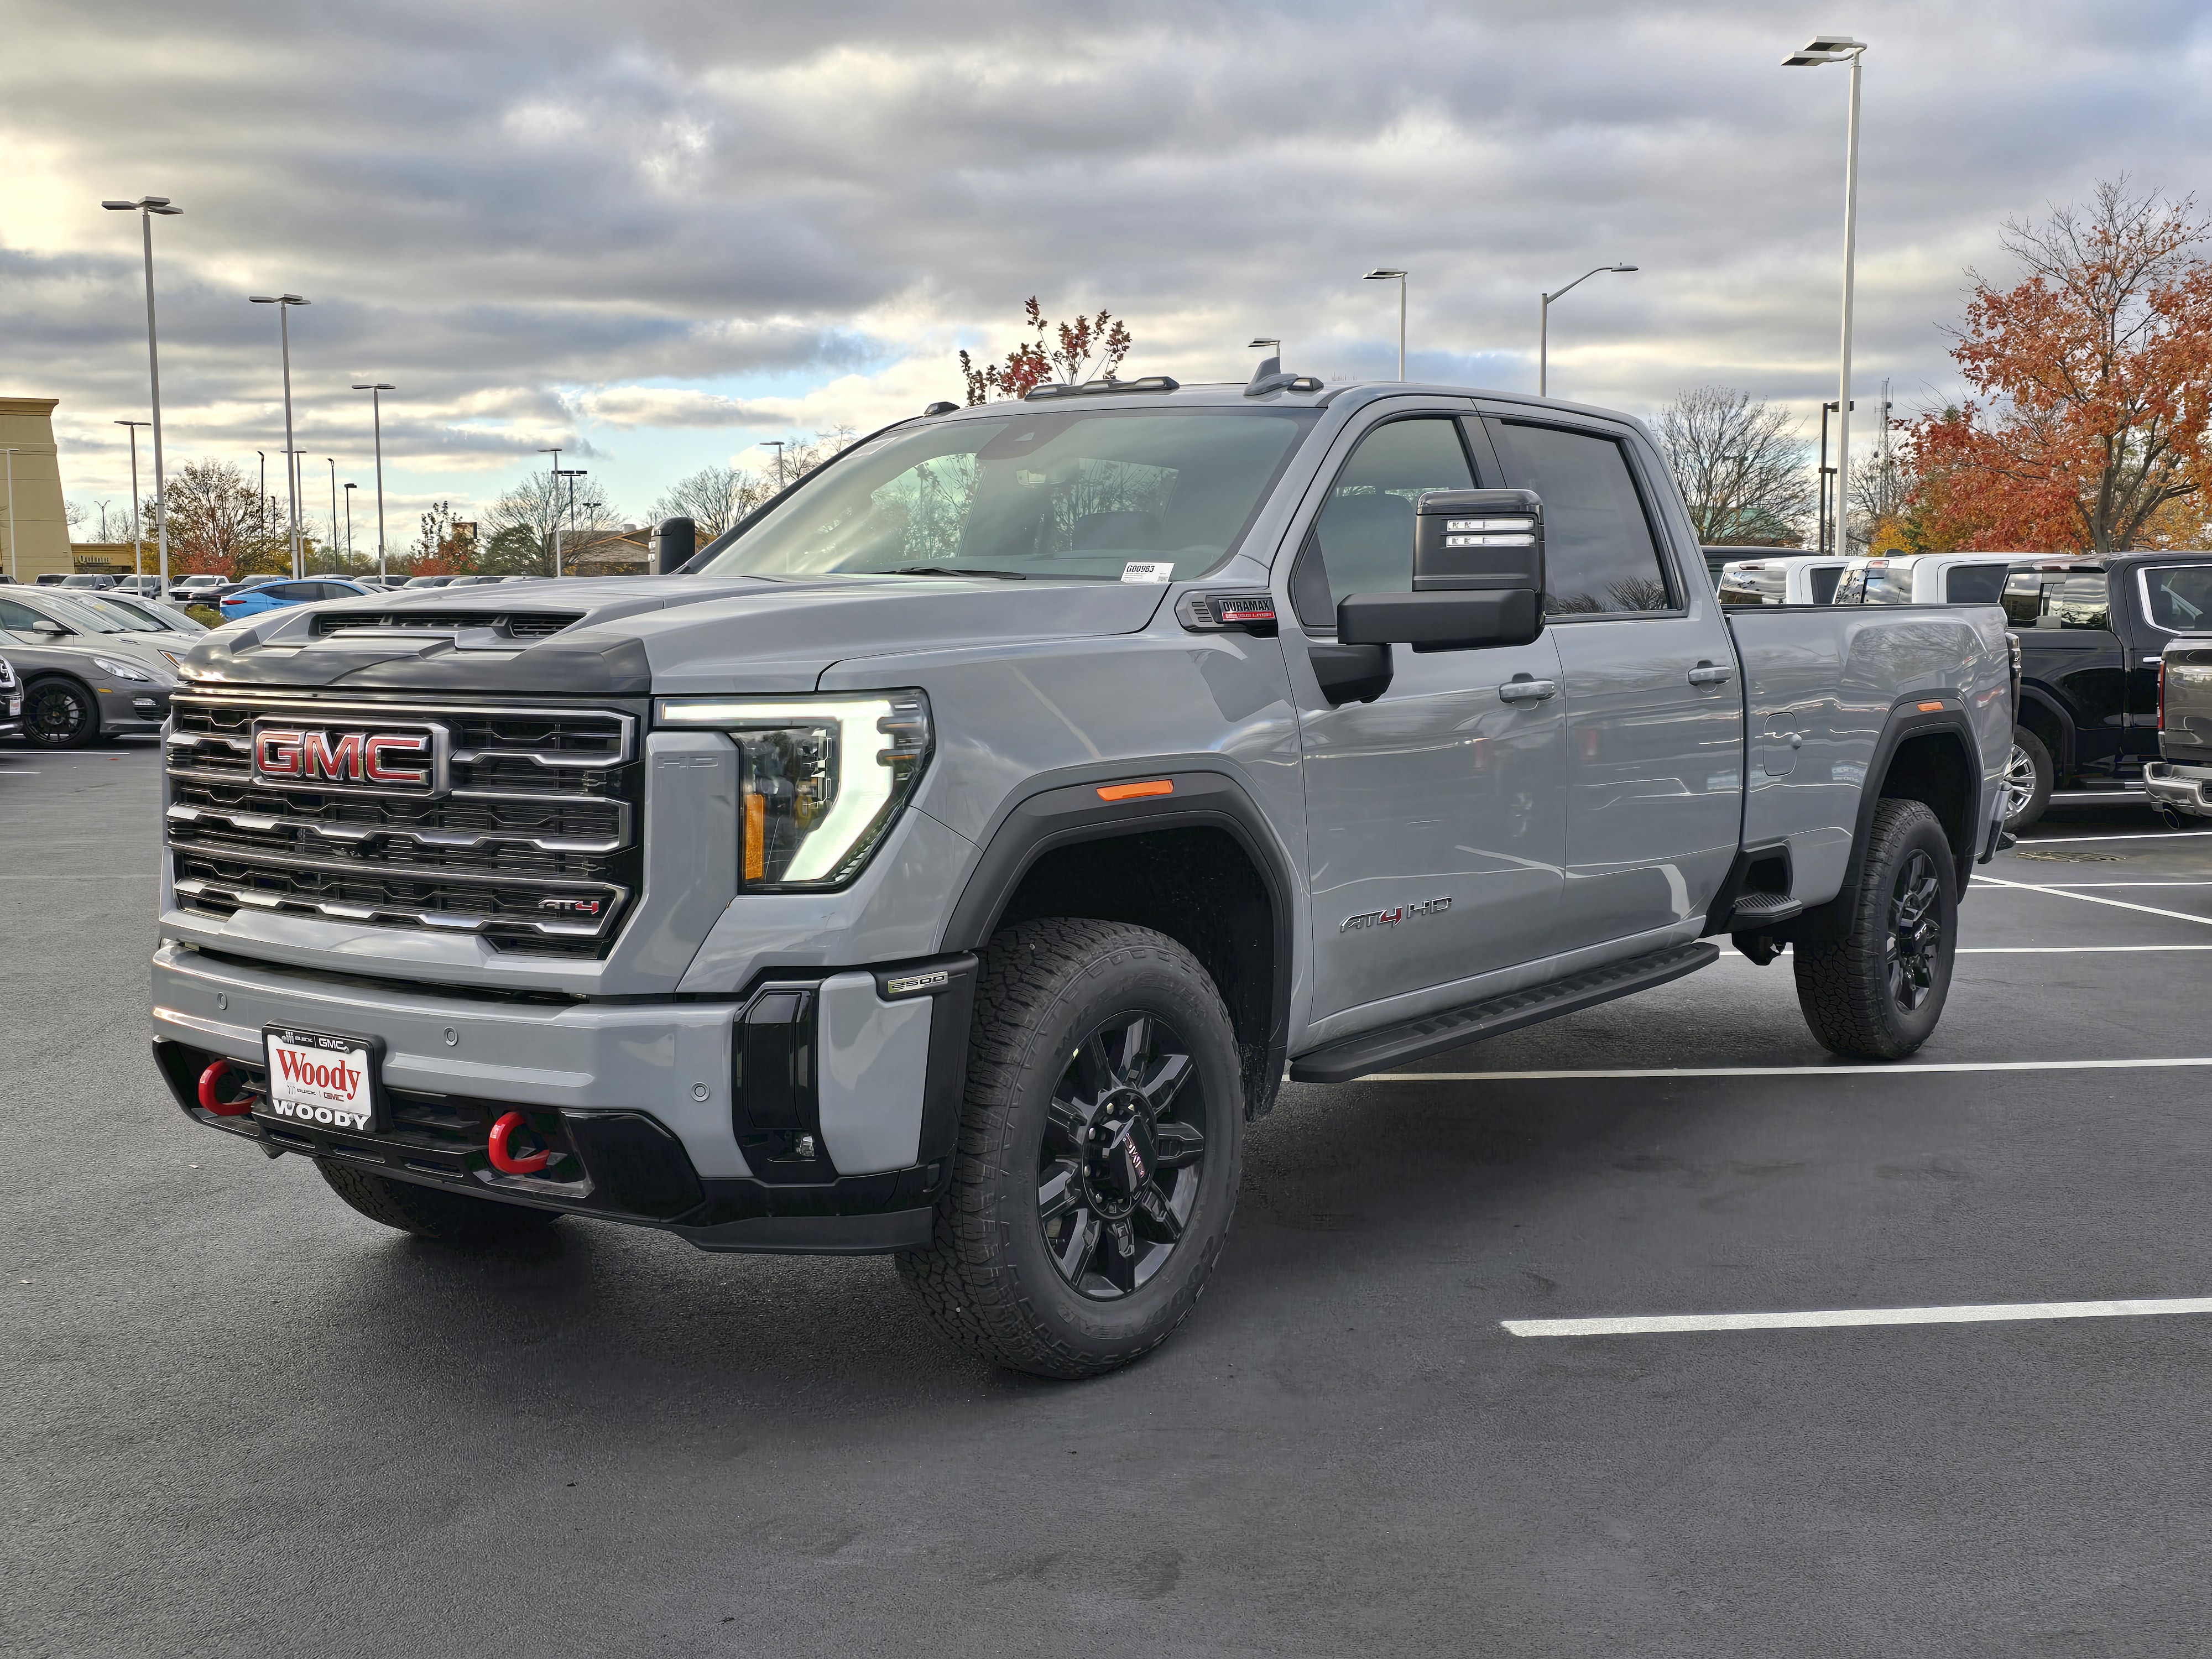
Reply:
x=582, y=223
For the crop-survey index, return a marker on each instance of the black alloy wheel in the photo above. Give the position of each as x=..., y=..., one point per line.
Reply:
x=1119, y=1168
x=1916, y=930
x=60, y=714
x=1875, y=989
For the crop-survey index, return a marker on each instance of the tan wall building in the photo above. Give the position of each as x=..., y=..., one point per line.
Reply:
x=34, y=537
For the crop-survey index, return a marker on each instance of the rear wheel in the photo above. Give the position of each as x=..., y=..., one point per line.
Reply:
x=60, y=714
x=1877, y=993
x=2029, y=775
x=1100, y=1151
x=428, y=1212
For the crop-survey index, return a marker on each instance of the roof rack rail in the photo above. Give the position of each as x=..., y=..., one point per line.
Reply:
x=1092, y=388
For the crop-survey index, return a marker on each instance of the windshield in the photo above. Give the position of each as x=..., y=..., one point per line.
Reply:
x=1057, y=492
x=72, y=612
x=130, y=621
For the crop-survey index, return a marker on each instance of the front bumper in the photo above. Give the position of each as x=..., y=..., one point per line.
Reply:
x=815, y=1113
x=2184, y=788
x=125, y=707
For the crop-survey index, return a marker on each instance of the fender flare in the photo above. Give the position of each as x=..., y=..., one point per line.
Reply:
x=1069, y=811
x=1905, y=721
x=2062, y=759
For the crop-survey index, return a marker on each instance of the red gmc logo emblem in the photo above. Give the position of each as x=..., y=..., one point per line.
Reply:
x=400, y=760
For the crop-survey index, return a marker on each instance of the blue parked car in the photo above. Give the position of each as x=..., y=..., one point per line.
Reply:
x=274, y=596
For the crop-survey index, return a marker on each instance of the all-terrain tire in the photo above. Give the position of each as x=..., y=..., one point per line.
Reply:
x=990, y=1284
x=1877, y=993
x=59, y=713
x=427, y=1212
x=2031, y=767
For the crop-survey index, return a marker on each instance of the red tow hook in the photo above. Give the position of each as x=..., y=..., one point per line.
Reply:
x=505, y=1161
x=210, y=1080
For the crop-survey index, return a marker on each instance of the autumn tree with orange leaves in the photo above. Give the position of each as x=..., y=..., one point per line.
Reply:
x=2094, y=379
x=1069, y=349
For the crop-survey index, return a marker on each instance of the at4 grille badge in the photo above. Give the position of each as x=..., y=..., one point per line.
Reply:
x=573, y=907
x=1391, y=918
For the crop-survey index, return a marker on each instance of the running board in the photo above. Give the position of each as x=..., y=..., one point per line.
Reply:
x=1415, y=1039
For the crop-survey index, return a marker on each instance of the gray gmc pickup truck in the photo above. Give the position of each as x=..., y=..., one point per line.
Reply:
x=954, y=859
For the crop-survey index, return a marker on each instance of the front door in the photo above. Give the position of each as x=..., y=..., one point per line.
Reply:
x=1433, y=813
x=1654, y=713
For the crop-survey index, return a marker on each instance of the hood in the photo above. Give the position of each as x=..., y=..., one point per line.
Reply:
x=73, y=658
x=627, y=637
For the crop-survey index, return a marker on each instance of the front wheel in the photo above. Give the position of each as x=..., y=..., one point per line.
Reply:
x=1100, y=1151
x=1876, y=993
x=60, y=714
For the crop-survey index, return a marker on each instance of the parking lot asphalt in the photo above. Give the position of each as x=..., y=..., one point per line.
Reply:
x=243, y=1419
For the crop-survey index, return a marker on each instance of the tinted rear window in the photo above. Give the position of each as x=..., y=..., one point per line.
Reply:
x=2179, y=597
x=1974, y=584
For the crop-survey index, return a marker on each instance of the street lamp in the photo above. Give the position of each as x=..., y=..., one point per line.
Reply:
x=137, y=541
x=333, y=461
x=14, y=574
x=350, y=488
x=284, y=302
x=1544, y=325
x=1837, y=49
x=145, y=207
x=571, y=473
x=776, y=444
x=376, y=389
x=1397, y=277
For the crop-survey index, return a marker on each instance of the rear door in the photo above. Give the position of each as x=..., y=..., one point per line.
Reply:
x=1655, y=716
x=2064, y=621
x=1433, y=812
x=2170, y=598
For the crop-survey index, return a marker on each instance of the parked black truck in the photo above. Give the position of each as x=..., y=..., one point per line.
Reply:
x=2091, y=631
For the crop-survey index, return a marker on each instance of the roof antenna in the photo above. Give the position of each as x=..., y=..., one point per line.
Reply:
x=1269, y=376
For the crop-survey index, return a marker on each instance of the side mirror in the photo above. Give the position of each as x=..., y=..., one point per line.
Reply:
x=1477, y=577
x=48, y=626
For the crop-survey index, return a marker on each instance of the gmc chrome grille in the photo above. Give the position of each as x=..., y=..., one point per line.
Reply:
x=532, y=842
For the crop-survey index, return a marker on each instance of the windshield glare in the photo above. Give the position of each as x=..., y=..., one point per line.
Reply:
x=1033, y=493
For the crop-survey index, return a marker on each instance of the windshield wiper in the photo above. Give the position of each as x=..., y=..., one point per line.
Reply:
x=951, y=570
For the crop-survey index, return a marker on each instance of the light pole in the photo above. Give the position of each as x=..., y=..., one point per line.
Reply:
x=350, y=488
x=284, y=302
x=145, y=207
x=571, y=473
x=1397, y=277
x=332, y=460
x=137, y=541
x=1837, y=49
x=14, y=574
x=1544, y=325
x=776, y=444
x=555, y=475
x=376, y=389
x=261, y=506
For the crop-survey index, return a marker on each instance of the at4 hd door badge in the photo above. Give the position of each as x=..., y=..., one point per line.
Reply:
x=1391, y=918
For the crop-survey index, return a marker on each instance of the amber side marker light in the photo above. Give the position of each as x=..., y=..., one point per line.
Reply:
x=1931, y=708
x=1135, y=790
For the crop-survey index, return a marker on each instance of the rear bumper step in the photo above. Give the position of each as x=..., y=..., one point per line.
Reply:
x=1415, y=1039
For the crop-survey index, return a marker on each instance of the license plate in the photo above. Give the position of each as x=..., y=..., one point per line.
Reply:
x=315, y=1077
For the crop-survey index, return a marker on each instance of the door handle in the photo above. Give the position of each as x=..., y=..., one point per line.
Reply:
x=1527, y=690
x=1707, y=674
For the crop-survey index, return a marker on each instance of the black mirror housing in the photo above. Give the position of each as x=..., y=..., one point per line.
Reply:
x=1478, y=541
x=1459, y=620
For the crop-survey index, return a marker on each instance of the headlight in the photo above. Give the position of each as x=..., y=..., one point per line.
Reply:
x=7, y=675
x=122, y=670
x=823, y=778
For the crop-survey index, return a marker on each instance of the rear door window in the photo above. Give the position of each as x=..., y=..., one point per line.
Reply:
x=1890, y=584
x=1601, y=557
x=1823, y=584
x=1973, y=583
x=2178, y=597
x=1754, y=584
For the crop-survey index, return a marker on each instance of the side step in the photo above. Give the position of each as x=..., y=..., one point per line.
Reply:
x=1393, y=1045
x=1756, y=910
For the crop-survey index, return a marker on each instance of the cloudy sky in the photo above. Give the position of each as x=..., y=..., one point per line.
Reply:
x=659, y=233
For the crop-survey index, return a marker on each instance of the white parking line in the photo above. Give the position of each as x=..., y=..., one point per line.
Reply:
x=1969, y=1313
x=2132, y=835
x=2026, y=951
x=2087, y=898
x=1790, y=1070
x=2127, y=883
